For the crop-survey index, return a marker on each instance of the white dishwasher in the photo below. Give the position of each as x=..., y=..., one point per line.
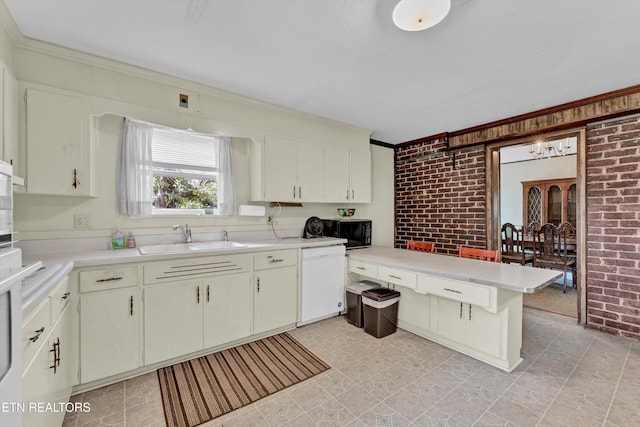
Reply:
x=322, y=283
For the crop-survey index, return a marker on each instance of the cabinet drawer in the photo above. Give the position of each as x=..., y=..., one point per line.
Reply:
x=483, y=296
x=275, y=259
x=60, y=297
x=35, y=329
x=194, y=268
x=364, y=268
x=109, y=278
x=397, y=277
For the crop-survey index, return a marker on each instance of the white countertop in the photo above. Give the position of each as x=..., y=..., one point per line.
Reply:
x=504, y=276
x=87, y=257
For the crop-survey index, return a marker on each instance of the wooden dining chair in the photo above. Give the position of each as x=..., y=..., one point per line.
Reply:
x=550, y=250
x=481, y=254
x=413, y=245
x=572, y=250
x=513, y=245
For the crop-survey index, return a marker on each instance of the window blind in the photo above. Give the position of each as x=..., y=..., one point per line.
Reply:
x=183, y=150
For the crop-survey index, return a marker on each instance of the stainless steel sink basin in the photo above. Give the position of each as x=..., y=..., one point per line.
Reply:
x=172, y=248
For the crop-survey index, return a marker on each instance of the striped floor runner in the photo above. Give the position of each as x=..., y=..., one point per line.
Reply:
x=201, y=389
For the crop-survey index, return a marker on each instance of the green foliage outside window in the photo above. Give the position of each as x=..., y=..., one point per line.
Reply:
x=184, y=193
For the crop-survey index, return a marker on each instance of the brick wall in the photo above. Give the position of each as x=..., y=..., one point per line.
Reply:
x=613, y=226
x=435, y=202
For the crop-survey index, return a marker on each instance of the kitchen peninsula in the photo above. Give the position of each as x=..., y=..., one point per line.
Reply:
x=474, y=307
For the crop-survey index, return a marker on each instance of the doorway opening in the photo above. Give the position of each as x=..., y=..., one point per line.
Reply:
x=534, y=179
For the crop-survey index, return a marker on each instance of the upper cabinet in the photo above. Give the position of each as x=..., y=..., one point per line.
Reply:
x=10, y=151
x=549, y=201
x=347, y=176
x=60, y=159
x=285, y=170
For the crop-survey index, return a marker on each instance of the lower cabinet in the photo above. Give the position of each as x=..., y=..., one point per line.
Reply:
x=48, y=377
x=228, y=312
x=275, y=298
x=414, y=309
x=109, y=333
x=172, y=320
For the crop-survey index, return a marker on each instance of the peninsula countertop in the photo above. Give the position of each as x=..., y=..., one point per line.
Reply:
x=503, y=276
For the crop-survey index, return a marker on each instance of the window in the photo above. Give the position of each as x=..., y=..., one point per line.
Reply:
x=170, y=171
x=185, y=172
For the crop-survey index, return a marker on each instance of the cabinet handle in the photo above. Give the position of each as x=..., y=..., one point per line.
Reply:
x=452, y=290
x=108, y=279
x=37, y=335
x=300, y=192
x=353, y=194
x=58, y=351
x=294, y=191
x=469, y=311
x=66, y=295
x=276, y=260
x=198, y=295
x=395, y=277
x=461, y=310
x=75, y=179
x=360, y=268
x=258, y=285
x=208, y=293
x=131, y=306
x=56, y=356
x=347, y=194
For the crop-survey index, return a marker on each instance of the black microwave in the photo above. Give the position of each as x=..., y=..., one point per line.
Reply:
x=356, y=231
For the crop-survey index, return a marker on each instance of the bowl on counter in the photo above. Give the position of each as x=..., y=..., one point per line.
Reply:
x=346, y=212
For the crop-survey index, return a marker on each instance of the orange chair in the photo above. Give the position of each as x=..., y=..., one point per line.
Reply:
x=412, y=245
x=481, y=254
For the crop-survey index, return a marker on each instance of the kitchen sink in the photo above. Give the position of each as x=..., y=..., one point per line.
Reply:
x=185, y=247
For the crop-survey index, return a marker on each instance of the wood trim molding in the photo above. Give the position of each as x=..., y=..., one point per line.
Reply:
x=570, y=115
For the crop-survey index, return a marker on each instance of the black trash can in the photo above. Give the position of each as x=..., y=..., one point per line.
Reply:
x=354, y=301
x=380, y=311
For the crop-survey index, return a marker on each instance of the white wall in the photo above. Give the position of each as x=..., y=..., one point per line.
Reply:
x=126, y=90
x=513, y=174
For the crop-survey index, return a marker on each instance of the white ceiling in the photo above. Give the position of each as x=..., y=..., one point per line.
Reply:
x=345, y=60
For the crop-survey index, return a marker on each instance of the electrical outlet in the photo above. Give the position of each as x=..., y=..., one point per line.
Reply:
x=82, y=221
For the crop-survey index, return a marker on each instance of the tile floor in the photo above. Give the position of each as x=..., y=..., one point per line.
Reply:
x=570, y=376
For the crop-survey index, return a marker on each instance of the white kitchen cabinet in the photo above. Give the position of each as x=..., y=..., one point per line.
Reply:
x=337, y=187
x=109, y=333
x=50, y=371
x=360, y=176
x=228, y=309
x=414, y=309
x=347, y=176
x=173, y=320
x=275, y=290
x=59, y=153
x=293, y=171
x=10, y=105
x=470, y=325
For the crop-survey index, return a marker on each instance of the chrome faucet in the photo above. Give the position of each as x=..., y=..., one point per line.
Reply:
x=186, y=231
x=225, y=235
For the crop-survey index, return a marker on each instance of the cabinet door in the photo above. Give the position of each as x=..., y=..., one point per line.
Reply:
x=275, y=299
x=484, y=330
x=10, y=122
x=336, y=175
x=50, y=375
x=228, y=309
x=310, y=173
x=172, y=320
x=57, y=143
x=280, y=169
x=413, y=308
x=109, y=333
x=451, y=320
x=360, y=175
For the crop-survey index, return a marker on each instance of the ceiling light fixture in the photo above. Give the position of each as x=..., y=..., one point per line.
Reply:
x=541, y=150
x=418, y=15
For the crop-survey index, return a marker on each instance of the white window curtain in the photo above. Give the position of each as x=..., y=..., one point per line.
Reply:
x=135, y=169
x=226, y=182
